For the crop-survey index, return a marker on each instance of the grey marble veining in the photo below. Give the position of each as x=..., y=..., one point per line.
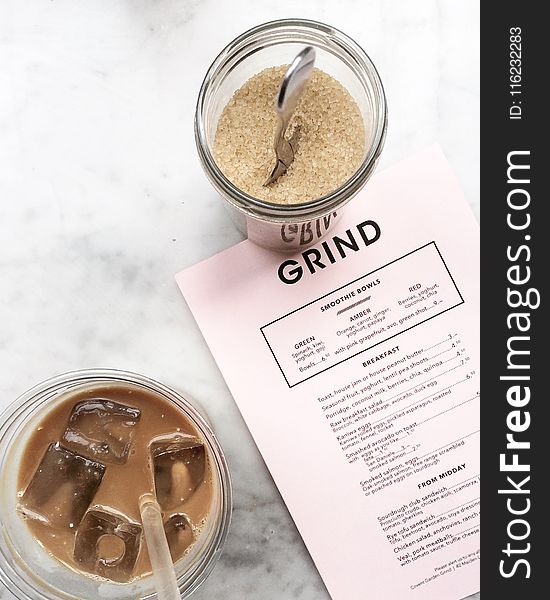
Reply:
x=102, y=200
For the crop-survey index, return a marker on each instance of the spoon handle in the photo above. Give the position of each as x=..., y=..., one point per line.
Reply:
x=293, y=84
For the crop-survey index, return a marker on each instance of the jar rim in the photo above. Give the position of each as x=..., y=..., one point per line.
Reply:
x=38, y=397
x=318, y=206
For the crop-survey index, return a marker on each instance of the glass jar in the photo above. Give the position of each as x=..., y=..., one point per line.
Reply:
x=26, y=569
x=296, y=226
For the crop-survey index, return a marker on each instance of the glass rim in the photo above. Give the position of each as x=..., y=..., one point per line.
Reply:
x=318, y=206
x=38, y=397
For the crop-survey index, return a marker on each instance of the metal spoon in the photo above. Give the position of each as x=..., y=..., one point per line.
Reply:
x=290, y=91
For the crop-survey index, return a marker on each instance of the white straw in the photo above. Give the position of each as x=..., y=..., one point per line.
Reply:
x=159, y=552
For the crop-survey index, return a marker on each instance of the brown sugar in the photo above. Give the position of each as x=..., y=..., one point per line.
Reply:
x=327, y=134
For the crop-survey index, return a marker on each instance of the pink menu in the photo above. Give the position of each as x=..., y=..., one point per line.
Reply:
x=355, y=365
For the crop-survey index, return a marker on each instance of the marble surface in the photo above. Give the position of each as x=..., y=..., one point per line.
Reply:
x=102, y=200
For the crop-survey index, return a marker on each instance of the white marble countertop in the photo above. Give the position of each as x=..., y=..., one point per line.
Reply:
x=102, y=200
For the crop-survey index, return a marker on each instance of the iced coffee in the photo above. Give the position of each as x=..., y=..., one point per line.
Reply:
x=90, y=460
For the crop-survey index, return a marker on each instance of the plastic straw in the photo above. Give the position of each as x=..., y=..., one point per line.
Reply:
x=159, y=552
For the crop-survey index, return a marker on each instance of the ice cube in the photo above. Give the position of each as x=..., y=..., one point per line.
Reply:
x=179, y=533
x=107, y=544
x=101, y=429
x=179, y=463
x=62, y=487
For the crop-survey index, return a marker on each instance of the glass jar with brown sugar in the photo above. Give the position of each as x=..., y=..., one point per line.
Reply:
x=337, y=131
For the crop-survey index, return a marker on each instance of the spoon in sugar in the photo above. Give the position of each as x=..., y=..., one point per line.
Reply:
x=290, y=91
